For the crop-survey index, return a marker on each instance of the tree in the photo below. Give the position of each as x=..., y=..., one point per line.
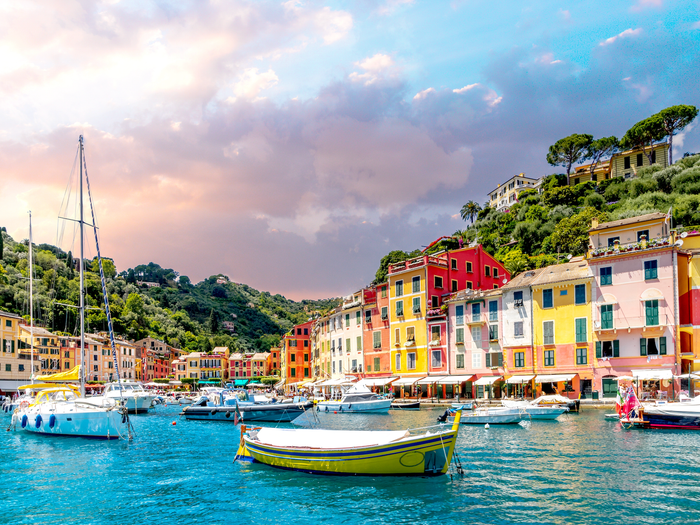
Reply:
x=515, y=262
x=214, y=321
x=131, y=276
x=571, y=234
x=470, y=211
x=107, y=265
x=673, y=120
x=568, y=151
x=391, y=258
x=1, y=245
x=643, y=135
x=599, y=149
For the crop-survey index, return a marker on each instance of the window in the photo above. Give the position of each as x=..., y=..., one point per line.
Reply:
x=397, y=362
x=347, y=345
x=495, y=272
x=487, y=271
x=377, y=339
x=628, y=163
x=411, y=360
x=358, y=316
x=652, y=312
x=594, y=177
x=416, y=284
x=548, y=328
x=8, y=323
x=640, y=160
x=606, y=276
x=549, y=358
x=347, y=320
x=650, y=270
x=399, y=288
x=606, y=317
x=333, y=367
x=476, y=312
x=581, y=330
x=410, y=334
x=547, y=298
x=580, y=294
x=518, y=329
x=416, y=305
x=476, y=336
x=293, y=372
x=293, y=358
x=470, y=286
x=438, y=282
x=460, y=360
x=611, y=241
x=306, y=343
x=476, y=360
x=435, y=333
x=581, y=356
x=493, y=360
x=459, y=336
x=642, y=233
x=652, y=346
x=368, y=316
x=21, y=367
x=376, y=364
x=469, y=268
x=454, y=285
x=493, y=332
x=385, y=313
x=298, y=331
x=397, y=336
x=607, y=349
x=340, y=367
x=519, y=359
x=306, y=331
x=434, y=302
x=453, y=263
x=653, y=157
x=436, y=361
x=383, y=292
x=399, y=308
x=359, y=343
x=493, y=310
x=8, y=367
x=518, y=299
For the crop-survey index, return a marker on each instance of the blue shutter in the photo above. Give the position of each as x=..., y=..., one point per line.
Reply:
x=459, y=314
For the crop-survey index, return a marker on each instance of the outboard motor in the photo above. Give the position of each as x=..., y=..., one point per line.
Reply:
x=443, y=418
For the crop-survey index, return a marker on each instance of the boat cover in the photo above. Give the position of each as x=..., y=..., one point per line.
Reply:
x=327, y=439
x=70, y=375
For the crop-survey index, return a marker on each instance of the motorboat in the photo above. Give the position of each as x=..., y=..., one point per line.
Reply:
x=130, y=394
x=177, y=400
x=236, y=405
x=494, y=416
x=466, y=405
x=537, y=411
x=672, y=415
x=59, y=410
x=358, y=398
x=427, y=452
x=405, y=405
x=558, y=400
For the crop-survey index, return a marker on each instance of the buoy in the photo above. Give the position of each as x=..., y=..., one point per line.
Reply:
x=174, y=423
x=335, y=411
x=486, y=426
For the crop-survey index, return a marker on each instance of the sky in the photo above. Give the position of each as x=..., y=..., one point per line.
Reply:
x=290, y=145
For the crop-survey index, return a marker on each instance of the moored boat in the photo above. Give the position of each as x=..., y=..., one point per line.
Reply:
x=132, y=395
x=494, y=416
x=358, y=398
x=412, y=405
x=537, y=411
x=672, y=415
x=352, y=452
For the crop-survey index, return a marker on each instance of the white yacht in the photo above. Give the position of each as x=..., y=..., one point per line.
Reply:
x=131, y=394
x=535, y=410
x=358, y=398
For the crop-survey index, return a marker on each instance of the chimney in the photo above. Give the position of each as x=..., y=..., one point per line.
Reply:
x=594, y=222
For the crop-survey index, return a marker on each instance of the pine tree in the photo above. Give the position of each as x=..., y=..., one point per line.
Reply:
x=2, y=247
x=214, y=321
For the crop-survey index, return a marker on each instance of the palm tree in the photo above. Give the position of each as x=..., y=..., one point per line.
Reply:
x=470, y=211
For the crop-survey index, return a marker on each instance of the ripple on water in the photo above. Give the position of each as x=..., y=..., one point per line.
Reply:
x=580, y=469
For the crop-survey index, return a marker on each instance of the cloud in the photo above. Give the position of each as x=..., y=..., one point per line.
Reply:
x=627, y=33
x=391, y=5
x=379, y=66
x=252, y=82
x=641, y=5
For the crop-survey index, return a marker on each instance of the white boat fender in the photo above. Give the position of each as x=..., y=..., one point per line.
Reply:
x=486, y=426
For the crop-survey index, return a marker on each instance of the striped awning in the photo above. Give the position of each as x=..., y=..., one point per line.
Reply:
x=378, y=381
x=430, y=380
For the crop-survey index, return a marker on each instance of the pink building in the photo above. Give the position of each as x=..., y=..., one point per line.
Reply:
x=635, y=304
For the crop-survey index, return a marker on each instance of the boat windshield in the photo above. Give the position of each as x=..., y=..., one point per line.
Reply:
x=360, y=397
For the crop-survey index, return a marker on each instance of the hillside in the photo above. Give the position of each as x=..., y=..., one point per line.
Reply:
x=190, y=316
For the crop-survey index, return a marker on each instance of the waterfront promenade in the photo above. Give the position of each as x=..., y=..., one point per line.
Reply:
x=579, y=469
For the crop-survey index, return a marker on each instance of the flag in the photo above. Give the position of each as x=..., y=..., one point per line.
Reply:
x=631, y=402
x=619, y=402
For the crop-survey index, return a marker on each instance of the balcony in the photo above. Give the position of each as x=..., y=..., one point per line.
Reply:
x=435, y=312
x=617, y=248
x=418, y=262
x=633, y=323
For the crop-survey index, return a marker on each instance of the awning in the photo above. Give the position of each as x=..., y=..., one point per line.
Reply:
x=406, y=381
x=659, y=373
x=378, y=381
x=13, y=384
x=689, y=376
x=607, y=298
x=554, y=378
x=455, y=380
x=651, y=293
x=518, y=380
x=240, y=382
x=430, y=380
x=487, y=380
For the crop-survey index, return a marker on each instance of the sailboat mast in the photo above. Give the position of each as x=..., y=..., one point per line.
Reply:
x=82, y=284
x=31, y=299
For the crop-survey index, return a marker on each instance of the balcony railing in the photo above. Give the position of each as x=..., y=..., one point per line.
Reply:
x=617, y=248
x=633, y=322
x=418, y=262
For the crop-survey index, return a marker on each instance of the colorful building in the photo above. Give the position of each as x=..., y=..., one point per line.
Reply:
x=627, y=163
x=506, y=194
x=689, y=305
x=376, y=338
x=296, y=351
x=352, y=356
x=562, y=342
x=635, y=265
x=14, y=365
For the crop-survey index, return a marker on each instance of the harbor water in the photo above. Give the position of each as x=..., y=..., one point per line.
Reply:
x=578, y=469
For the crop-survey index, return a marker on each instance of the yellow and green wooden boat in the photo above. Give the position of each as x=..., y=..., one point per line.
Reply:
x=352, y=452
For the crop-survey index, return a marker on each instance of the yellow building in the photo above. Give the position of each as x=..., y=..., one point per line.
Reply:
x=562, y=331
x=506, y=194
x=627, y=163
x=46, y=345
x=14, y=371
x=583, y=173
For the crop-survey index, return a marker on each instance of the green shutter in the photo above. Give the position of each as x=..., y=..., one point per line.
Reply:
x=500, y=359
x=598, y=349
x=616, y=348
x=488, y=360
x=662, y=345
x=13, y=346
x=642, y=346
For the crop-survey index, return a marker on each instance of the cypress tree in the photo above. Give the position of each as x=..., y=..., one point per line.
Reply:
x=2, y=245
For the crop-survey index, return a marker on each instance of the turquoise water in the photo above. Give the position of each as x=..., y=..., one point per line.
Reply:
x=580, y=469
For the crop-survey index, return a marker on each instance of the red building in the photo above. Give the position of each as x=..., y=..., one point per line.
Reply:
x=296, y=345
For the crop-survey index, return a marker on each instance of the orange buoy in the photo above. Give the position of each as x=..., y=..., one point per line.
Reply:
x=335, y=411
x=174, y=423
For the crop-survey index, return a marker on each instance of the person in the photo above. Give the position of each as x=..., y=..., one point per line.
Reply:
x=654, y=392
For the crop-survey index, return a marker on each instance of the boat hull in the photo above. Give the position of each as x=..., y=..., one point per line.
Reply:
x=423, y=456
x=406, y=406
x=494, y=417
x=269, y=413
x=378, y=406
x=545, y=413
x=665, y=418
x=96, y=424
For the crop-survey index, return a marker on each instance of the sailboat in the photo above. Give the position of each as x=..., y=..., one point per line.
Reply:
x=60, y=407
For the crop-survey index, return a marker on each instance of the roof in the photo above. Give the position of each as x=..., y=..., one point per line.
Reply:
x=473, y=295
x=259, y=356
x=236, y=356
x=220, y=350
x=632, y=220
x=563, y=272
x=522, y=279
x=193, y=354
x=37, y=330
x=518, y=176
x=8, y=314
